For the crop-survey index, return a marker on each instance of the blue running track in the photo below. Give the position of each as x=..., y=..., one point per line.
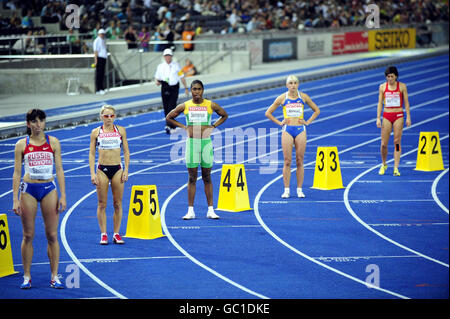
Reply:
x=328, y=245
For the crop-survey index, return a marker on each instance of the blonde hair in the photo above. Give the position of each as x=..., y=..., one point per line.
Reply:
x=292, y=78
x=107, y=107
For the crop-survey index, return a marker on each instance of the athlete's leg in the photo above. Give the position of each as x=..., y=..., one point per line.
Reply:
x=386, y=129
x=206, y=177
x=117, y=188
x=191, y=187
x=29, y=208
x=102, y=196
x=49, y=208
x=398, y=130
x=287, y=143
x=300, y=147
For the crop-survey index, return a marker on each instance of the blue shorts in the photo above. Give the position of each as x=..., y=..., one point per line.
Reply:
x=37, y=190
x=294, y=131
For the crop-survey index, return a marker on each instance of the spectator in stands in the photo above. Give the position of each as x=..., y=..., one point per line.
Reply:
x=198, y=6
x=73, y=41
x=169, y=36
x=85, y=48
x=216, y=7
x=131, y=37
x=199, y=29
x=189, y=69
x=157, y=36
x=100, y=56
x=27, y=22
x=144, y=38
x=42, y=41
x=15, y=20
x=111, y=30
x=98, y=26
x=188, y=35
x=234, y=19
x=25, y=44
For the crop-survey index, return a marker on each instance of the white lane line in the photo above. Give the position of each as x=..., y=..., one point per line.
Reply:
x=106, y=260
x=268, y=230
x=72, y=255
x=191, y=258
x=262, y=190
x=433, y=191
x=163, y=212
x=355, y=216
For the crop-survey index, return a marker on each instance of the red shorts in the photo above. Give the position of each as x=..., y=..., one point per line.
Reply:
x=393, y=116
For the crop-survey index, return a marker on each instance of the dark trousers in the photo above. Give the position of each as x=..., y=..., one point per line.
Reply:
x=169, y=95
x=100, y=74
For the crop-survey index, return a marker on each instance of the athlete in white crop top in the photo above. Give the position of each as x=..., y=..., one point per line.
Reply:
x=39, y=154
x=109, y=140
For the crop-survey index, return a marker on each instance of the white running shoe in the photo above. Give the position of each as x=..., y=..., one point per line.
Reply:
x=189, y=215
x=300, y=194
x=212, y=215
x=285, y=195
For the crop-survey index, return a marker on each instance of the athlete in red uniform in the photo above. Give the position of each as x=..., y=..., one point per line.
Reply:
x=393, y=95
x=39, y=153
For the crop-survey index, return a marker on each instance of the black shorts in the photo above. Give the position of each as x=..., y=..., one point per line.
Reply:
x=110, y=170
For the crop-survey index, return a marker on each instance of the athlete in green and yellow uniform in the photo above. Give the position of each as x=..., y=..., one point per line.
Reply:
x=199, y=149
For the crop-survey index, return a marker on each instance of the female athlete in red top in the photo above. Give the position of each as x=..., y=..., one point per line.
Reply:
x=39, y=154
x=393, y=95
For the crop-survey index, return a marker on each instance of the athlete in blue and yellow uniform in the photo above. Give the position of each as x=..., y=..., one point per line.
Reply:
x=199, y=149
x=294, y=130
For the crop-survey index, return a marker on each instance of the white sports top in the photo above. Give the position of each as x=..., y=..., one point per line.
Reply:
x=109, y=140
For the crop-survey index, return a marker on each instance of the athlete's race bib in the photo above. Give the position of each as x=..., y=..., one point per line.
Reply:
x=294, y=110
x=40, y=165
x=392, y=99
x=198, y=114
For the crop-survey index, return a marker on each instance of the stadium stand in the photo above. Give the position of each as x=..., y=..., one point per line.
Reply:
x=17, y=18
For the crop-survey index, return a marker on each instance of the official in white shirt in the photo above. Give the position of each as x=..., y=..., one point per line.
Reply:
x=100, y=56
x=168, y=75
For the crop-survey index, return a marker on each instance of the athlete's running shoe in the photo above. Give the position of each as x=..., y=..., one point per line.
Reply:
x=26, y=283
x=117, y=239
x=300, y=193
x=285, y=194
x=382, y=169
x=212, y=215
x=104, y=239
x=55, y=283
x=396, y=172
x=189, y=215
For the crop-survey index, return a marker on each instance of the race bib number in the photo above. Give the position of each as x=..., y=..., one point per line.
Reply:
x=392, y=100
x=294, y=110
x=198, y=114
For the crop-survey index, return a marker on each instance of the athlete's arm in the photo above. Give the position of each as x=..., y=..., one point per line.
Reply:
x=126, y=153
x=269, y=113
x=380, y=104
x=94, y=135
x=18, y=156
x=56, y=146
x=404, y=91
x=312, y=105
x=221, y=112
x=174, y=113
